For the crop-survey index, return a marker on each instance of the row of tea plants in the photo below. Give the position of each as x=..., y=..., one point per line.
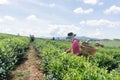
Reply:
x=11, y=50
x=59, y=65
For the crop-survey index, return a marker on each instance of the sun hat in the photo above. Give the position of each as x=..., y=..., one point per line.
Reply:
x=70, y=35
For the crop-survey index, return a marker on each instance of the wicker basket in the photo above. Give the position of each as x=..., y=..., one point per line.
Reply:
x=88, y=50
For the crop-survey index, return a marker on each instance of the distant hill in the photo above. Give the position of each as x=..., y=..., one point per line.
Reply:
x=79, y=37
x=86, y=38
x=2, y=35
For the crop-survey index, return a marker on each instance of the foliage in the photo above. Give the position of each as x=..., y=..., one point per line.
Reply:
x=11, y=49
x=59, y=65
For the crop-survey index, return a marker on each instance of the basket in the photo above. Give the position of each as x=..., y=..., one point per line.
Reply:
x=88, y=50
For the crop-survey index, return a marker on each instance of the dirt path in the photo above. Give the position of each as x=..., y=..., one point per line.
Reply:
x=29, y=69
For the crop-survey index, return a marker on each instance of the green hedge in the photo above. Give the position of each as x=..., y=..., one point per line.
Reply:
x=59, y=65
x=11, y=49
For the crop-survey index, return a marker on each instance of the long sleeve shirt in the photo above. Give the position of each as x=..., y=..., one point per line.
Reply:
x=76, y=46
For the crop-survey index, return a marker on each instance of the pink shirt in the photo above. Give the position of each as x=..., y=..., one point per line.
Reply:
x=76, y=46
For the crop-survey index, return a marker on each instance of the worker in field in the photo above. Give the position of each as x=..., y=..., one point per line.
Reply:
x=97, y=43
x=32, y=38
x=75, y=44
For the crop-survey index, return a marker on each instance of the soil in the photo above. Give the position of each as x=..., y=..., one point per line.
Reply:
x=30, y=68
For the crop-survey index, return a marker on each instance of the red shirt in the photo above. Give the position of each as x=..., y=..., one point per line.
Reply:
x=76, y=46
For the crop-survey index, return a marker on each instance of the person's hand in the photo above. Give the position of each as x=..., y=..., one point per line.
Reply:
x=68, y=50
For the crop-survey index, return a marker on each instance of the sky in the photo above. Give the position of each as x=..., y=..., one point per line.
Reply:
x=48, y=18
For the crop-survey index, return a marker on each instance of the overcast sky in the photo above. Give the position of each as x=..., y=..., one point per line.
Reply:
x=47, y=18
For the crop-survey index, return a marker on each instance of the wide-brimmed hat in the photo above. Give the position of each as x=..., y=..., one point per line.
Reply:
x=70, y=35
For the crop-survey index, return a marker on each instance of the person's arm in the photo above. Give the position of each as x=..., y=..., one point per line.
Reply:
x=69, y=50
